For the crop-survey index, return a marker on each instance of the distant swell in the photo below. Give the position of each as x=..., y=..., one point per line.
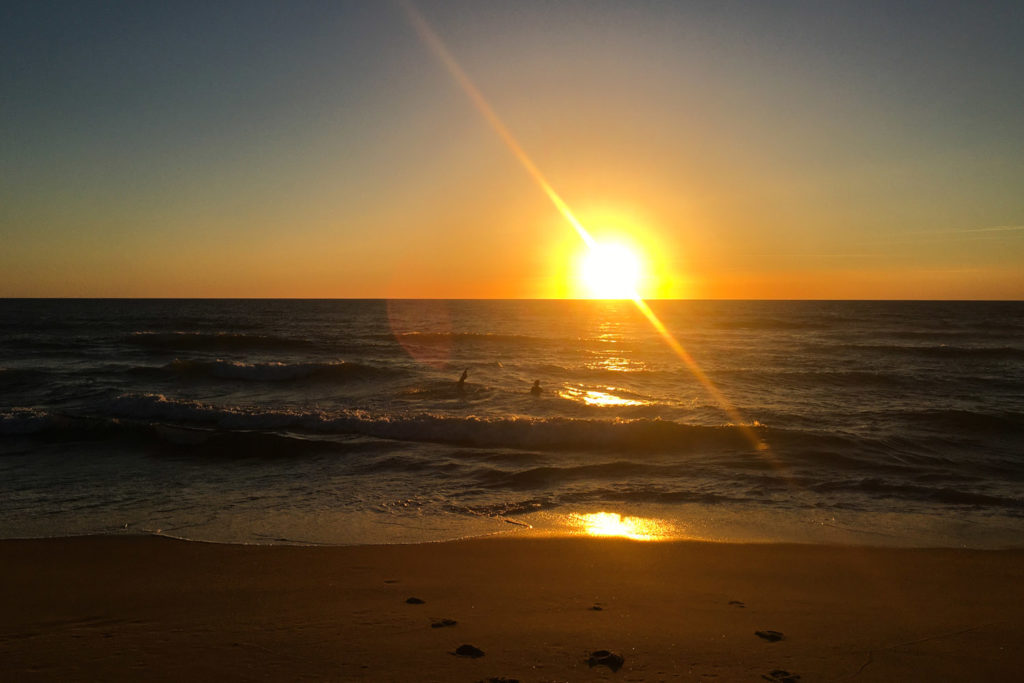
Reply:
x=214, y=341
x=942, y=351
x=276, y=372
x=768, y=324
x=447, y=338
x=816, y=378
x=963, y=421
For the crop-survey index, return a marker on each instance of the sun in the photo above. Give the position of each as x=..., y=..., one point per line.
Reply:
x=611, y=271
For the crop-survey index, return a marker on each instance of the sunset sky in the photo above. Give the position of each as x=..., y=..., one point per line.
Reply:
x=745, y=149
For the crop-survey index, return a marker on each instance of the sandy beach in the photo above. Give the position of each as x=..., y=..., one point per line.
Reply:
x=134, y=608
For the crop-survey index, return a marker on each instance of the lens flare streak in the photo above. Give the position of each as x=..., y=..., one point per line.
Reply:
x=434, y=42
x=438, y=47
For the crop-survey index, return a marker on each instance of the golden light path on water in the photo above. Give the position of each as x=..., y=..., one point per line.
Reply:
x=435, y=43
x=593, y=397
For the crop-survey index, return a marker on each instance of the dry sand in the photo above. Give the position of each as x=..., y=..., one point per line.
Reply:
x=143, y=608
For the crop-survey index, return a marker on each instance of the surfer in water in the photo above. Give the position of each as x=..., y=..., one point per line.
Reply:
x=535, y=389
x=461, y=384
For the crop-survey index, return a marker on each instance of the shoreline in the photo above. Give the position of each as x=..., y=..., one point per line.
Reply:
x=521, y=534
x=738, y=524
x=146, y=606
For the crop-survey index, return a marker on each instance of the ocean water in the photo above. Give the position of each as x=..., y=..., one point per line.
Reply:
x=286, y=421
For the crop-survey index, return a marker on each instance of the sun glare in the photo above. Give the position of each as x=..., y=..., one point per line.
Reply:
x=611, y=271
x=614, y=524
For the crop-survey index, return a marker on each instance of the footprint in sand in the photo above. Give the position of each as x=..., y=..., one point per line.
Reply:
x=606, y=658
x=770, y=636
x=443, y=622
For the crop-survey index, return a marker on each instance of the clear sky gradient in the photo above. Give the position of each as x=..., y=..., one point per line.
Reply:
x=748, y=149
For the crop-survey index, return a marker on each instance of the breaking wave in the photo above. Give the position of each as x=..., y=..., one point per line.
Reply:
x=640, y=435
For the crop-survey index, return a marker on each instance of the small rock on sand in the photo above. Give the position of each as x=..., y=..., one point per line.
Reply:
x=609, y=659
x=781, y=676
x=468, y=651
x=414, y=601
x=770, y=636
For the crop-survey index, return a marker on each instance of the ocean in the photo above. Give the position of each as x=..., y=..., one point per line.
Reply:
x=343, y=422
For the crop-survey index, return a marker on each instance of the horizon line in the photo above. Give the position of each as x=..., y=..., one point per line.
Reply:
x=402, y=298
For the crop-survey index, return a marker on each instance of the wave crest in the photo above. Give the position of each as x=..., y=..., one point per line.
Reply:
x=638, y=435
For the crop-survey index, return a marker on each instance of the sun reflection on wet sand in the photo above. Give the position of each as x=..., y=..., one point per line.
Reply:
x=614, y=524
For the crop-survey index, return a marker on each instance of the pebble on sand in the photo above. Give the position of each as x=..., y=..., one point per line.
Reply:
x=414, y=601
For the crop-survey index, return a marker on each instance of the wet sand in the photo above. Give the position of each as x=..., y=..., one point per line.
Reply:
x=134, y=608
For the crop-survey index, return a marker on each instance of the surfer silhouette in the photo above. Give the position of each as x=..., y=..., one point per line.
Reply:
x=461, y=384
x=535, y=389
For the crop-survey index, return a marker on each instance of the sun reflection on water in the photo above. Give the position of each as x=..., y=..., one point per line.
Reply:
x=616, y=364
x=614, y=524
x=593, y=397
